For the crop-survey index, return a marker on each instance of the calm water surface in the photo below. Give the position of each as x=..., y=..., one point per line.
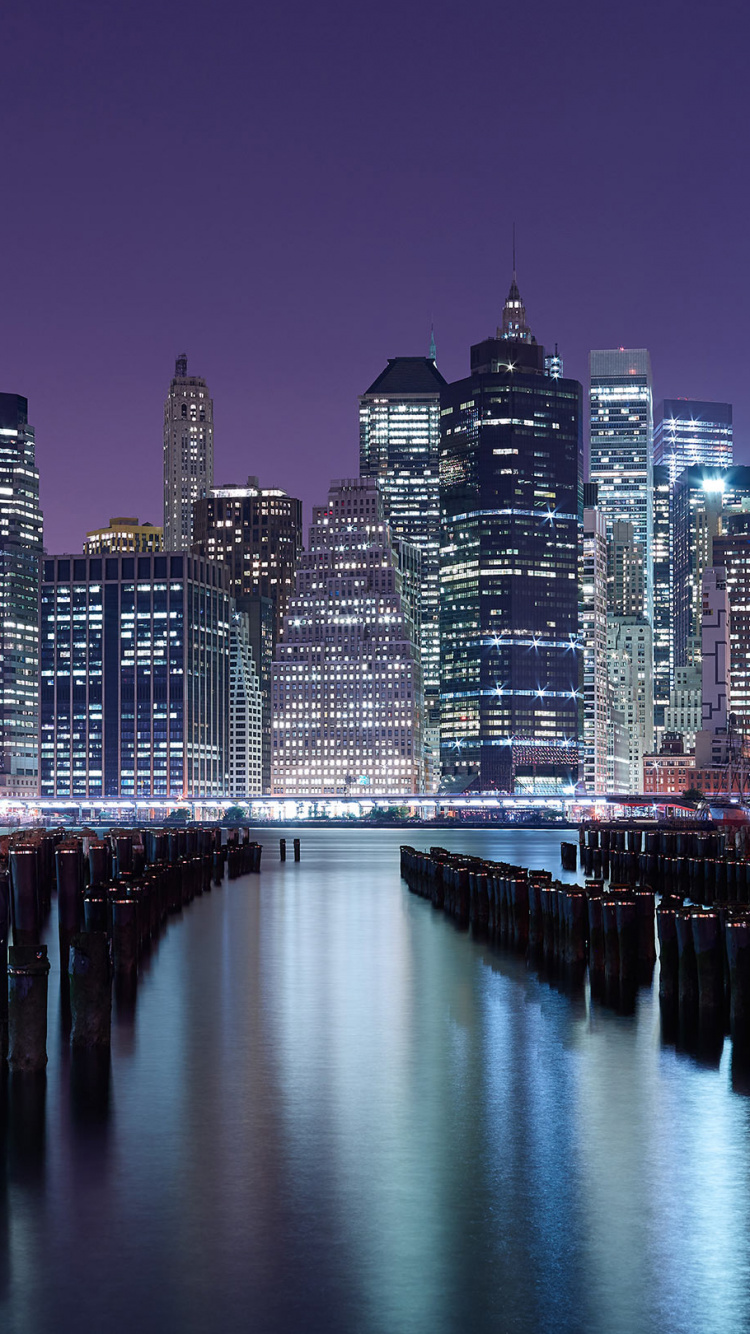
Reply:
x=330, y=1110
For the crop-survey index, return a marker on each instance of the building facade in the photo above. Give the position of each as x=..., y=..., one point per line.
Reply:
x=135, y=654
x=511, y=478
x=594, y=642
x=684, y=713
x=124, y=534
x=690, y=432
x=346, y=688
x=399, y=444
x=621, y=452
x=663, y=618
x=731, y=551
x=629, y=658
x=20, y=549
x=245, y=713
x=257, y=533
x=704, y=501
x=188, y=453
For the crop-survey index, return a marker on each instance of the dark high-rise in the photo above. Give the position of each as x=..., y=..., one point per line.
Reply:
x=511, y=462
x=663, y=628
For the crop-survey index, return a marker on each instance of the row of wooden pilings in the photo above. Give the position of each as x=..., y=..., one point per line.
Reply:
x=704, y=975
x=114, y=897
x=703, y=862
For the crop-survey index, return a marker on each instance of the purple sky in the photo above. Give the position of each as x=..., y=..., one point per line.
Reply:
x=289, y=193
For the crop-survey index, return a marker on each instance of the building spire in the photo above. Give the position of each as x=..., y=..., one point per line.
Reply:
x=433, y=348
x=514, y=312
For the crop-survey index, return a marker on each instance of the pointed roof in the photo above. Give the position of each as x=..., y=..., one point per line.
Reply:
x=408, y=375
x=514, y=324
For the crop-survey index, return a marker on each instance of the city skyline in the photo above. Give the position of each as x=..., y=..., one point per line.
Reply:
x=282, y=256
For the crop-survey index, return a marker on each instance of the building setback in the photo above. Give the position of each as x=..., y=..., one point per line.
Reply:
x=134, y=676
x=399, y=444
x=188, y=453
x=510, y=478
x=346, y=689
x=20, y=549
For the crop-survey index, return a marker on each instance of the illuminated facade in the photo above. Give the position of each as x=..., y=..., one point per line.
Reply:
x=629, y=659
x=124, y=534
x=188, y=453
x=135, y=655
x=399, y=444
x=257, y=533
x=594, y=642
x=346, y=688
x=20, y=549
x=621, y=454
x=703, y=500
x=684, y=713
x=731, y=551
x=245, y=713
x=689, y=431
x=663, y=618
x=511, y=482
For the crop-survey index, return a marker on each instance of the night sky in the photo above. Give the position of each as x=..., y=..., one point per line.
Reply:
x=291, y=193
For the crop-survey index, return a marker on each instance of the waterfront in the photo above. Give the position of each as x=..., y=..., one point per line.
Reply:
x=332, y=1110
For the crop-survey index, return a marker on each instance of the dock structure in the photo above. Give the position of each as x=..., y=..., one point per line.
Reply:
x=616, y=926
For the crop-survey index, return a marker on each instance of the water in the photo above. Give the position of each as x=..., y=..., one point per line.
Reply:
x=333, y=1111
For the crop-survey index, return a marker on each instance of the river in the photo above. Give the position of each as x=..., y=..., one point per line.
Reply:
x=331, y=1110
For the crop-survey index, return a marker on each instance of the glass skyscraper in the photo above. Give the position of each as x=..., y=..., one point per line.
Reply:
x=135, y=657
x=20, y=549
x=621, y=454
x=663, y=621
x=702, y=502
x=689, y=431
x=399, y=444
x=511, y=461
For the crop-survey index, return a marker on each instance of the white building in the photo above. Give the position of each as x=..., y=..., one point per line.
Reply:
x=245, y=714
x=188, y=453
x=630, y=661
x=594, y=637
x=346, y=690
x=683, y=715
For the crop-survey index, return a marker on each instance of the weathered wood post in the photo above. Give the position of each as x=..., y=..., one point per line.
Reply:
x=282, y=849
x=24, y=901
x=296, y=849
x=28, y=970
x=90, y=981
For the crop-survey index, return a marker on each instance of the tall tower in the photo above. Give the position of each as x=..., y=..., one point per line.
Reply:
x=399, y=440
x=188, y=453
x=689, y=431
x=621, y=418
x=510, y=482
x=20, y=549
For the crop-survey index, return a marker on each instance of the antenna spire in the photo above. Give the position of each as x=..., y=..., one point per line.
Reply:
x=514, y=251
x=433, y=348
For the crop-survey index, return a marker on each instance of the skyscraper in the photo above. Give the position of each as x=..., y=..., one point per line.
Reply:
x=621, y=462
x=245, y=713
x=347, y=707
x=399, y=440
x=510, y=480
x=594, y=640
x=257, y=533
x=689, y=431
x=20, y=549
x=629, y=657
x=134, y=676
x=702, y=501
x=663, y=618
x=188, y=453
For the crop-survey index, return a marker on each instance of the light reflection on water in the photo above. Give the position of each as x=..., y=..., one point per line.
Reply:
x=329, y=1109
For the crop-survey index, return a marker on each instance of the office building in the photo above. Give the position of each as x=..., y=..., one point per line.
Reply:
x=135, y=656
x=629, y=659
x=594, y=645
x=663, y=619
x=188, y=453
x=731, y=551
x=399, y=440
x=626, y=575
x=245, y=713
x=257, y=533
x=511, y=478
x=346, y=689
x=684, y=713
x=690, y=432
x=126, y=535
x=20, y=549
x=703, y=501
x=621, y=452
